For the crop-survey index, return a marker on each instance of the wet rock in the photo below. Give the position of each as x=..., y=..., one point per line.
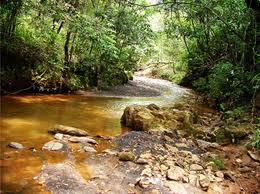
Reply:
x=254, y=156
x=63, y=179
x=15, y=145
x=82, y=140
x=89, y=149
x=126, y=156
x=195, y=167
x=175, y=173
x=53, y=146
x=58, y=136
x=204, y=182
x=67, y=130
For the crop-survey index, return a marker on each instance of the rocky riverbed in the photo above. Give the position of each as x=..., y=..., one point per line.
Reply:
x=149, y=161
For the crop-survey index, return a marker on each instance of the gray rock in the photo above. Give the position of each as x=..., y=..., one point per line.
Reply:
x=89, y=149
x=82, y=140
x=53, y=146
x=67, y=130
x=175, y=173
x=15, y=145
x=195, y=167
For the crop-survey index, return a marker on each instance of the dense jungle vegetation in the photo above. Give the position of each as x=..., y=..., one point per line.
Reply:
x=56, y=46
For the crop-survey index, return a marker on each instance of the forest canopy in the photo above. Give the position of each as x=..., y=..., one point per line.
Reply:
x=56, y=46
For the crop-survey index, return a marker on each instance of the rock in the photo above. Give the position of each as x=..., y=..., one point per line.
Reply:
x=152, y=118
x=182, y=188
x=219, y=174
x=175, y=173
x=205, y=145
x=195, y=167
x=254, y=156
x=195, y=158
x=82, y=140
x=15, y=145
x=67, y=130
x=63, y=179
x=58, y=136
x=215, y=189
x=53, y=146
x=147, y=172
x=239, y=161
x=144, y=182
x=89, y=149
x=181, y=145
x=204, y=182
x=193, y=180
x=176, y=188
x=141, y=161
x=110, y=152
x=244, y=169
x=126, y=156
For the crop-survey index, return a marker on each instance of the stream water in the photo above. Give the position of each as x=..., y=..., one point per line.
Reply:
x=26, y=119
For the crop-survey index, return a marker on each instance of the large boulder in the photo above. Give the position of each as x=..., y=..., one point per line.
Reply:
x=138, y=117
x=67, y=130
x=152, y=117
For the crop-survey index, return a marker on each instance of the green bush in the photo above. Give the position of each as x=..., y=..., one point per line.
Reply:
x=254, y=140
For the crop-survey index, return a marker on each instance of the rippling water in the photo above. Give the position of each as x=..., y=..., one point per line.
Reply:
x=26, y=119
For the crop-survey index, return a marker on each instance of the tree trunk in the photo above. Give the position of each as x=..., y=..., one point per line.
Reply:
x=61, y=25
x=66, y=48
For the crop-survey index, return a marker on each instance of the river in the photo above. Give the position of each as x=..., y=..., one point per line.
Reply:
x=26, y=119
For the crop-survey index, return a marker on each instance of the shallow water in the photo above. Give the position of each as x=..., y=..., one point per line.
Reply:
x=26, y=119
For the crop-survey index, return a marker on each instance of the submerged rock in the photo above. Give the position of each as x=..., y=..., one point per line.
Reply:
x=82, y=140
x=67, y=130
x=89, y=149
x=15, y=145
x=53, y=146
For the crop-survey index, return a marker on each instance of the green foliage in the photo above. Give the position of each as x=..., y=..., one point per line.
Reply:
x=80, y=43
x=218, y=162
x=236, y=113
x=254, y=140
x=221, y=48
